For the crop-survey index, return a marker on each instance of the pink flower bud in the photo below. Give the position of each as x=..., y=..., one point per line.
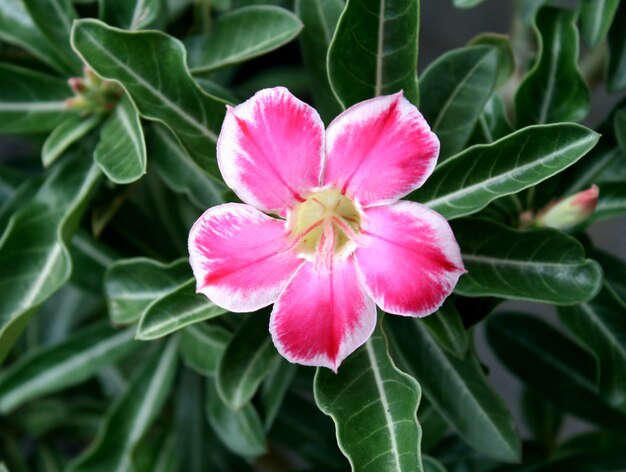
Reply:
x=571, y=211
x=76, y=84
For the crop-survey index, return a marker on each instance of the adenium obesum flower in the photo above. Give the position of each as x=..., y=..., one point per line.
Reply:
x=341, y=242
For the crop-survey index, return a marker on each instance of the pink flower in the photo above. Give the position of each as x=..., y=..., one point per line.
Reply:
x=341, y=243
x=571, y=211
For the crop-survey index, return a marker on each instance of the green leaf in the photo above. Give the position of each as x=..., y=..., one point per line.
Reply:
x=467, y=3
x=458, y=390
x=202, y=345
x=131, y=415
x=248, y=358
x=614, y=270
x=553, y=90
x=130, y=14
x=470, y=180
x=454, y=90
x=596, y=17
x=553, y=365
x=611, y=201
x=374, y=407
x=544, y=419
x=431, y=464
x=506, y=57
x=54, y=19
x=320, y=19
x=542, y=265
x=174, y=311
x=241, y=35
x=619, y=128
x=121, y=151
x=34, y=259
x=494, y=123
x=62, y=365
x=132, y=285
x=70, y=130
x=240, y=431
x=600, y=325
x=274, y=389
x=31, y=102
x=151, y=68
x=446, y=326
x=616, y=69
x=374, y=50
x=179, y=172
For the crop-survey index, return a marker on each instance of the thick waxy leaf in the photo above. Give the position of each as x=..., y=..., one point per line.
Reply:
x=506, y=57
x=374, y=50
x=121, y=151
x=543, y=265
x=611, y=201
x=240, y=431
x=242, y=35
x=30, y=101
x=596, y=17
x=554, y=89
x=468, y=182
x=454, y=90
x=616, y=70
x=34, y=259
x=132, y=285
x=151, y=67
x=70, y=130
x=179, y=172
x=274, y=389
x=248, y=358
x=202, y=345
x=374, y=407
x=553, y=365
x=447, y=328
x=62, y=365
x=131, y=415
x=601, y=326
x=458, y=390
x=54, y=19
x=130, y=14
x=320, y=19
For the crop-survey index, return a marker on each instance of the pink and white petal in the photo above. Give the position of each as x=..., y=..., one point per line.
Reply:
x=322, y=316
x=380, y=150
x=239, y=257
x=408, y=258
x=270, y=150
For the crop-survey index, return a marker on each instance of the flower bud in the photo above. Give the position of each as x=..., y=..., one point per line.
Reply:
x=571, y=211
x=76, y=84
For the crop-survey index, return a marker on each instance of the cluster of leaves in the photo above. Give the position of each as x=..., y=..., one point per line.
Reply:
x=112, y=362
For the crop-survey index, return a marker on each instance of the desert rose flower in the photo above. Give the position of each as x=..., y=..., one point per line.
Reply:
x=340, y=242
x=571, y=211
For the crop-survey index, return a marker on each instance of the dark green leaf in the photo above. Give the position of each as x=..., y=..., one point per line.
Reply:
x=611, y=201
x=616, y=69
x=544, y=419
x=70, y=130
x=493, y=123
x=431, y=464
x=131, y=14
x=202, y=345
x=467, y=3
x=506, y=58
x=274, y=389
x=447, y=328
x=614, y=270
x=596, y=17
x=374, y=50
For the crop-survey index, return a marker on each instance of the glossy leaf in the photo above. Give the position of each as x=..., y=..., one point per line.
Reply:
x=174, y=311
x=616, y=69
x=458, y=390
x=454, y=90
x=34, y=259
x=132, y=414
x=600, y=325
x=131, y=285
x=446, y=326
x=374, y=407
x=554, y=89
x=202, y=345
x=467, y=3
x=274, y=389
x=62, y=365
x=70, y=130
x=614, y=269
x=506, y=57
x=611, y=201
x=596, y=17
x=121, y=151
x=241, y=35
x=30, y=101
x=151, y=67
x=374, y=50
x=131, y=14
x=319, y=18
x=248, y=358
x=493, y=122
x=468, y=182
x=542, y=265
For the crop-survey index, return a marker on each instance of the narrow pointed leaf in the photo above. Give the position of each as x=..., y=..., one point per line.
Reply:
x=202, y=346
x=62, y=365
x=616, y=69
x=248, y=358
x=121, y=151
x=374, y=407
x=466, y=183
x=454, y=90
x=374, y=50
x=131, y=14
x=554, y=89
x=30, y=101
x=320, y=20
x=542, y=265
x=458, y=390
x=241, y=35
x=596, y=17
x=446, y=326
x=600, y=325
x=70, y=130
x=151, y=67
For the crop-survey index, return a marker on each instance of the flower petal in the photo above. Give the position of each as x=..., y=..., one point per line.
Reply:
x=408, y=258
x=323, y=315
x=380, y=150
x=270, y=150
x=239, y=257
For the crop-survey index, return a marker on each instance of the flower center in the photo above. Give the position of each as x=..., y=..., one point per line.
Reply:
x=325, y=222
